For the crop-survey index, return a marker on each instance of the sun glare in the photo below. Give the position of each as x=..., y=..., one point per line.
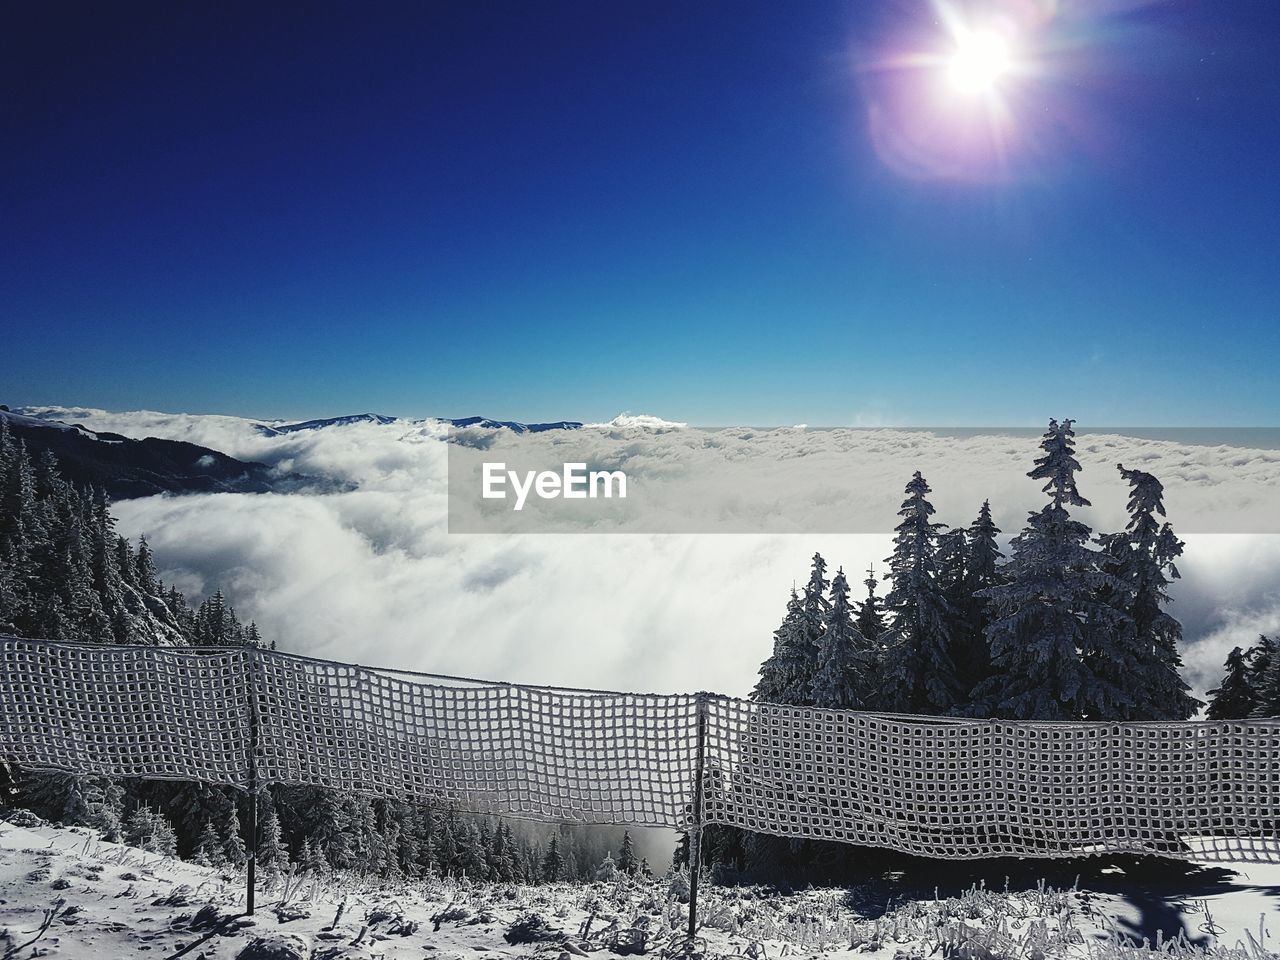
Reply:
x=980, y=60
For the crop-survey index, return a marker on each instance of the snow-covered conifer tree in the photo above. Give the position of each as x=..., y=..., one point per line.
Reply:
x=1234, y=698
x=273, y=856
x=144, y=569
x=982, y=572
x=61, y=797
x=1265, y=678
x=106, y=806
x=311, y=859
x=1140, y=655
x=209, y=849
x=232, y=843
x=447, y=855
x=330, y=829
x=163, y=839
x=870, y=618
x=1047, y=613
x=814, y=610
x=552, y=862
x=151, y=831
x=919, y=674
x=138, y=825
x=786, y=672
x=627, y=854
x=843, y=655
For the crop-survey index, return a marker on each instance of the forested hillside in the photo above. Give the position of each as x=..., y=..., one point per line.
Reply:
x=65, y=574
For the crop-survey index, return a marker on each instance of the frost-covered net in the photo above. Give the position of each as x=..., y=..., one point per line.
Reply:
x=539, y=754
x=129, y=711
x=182, y=714
x=970, y=789
x=934, y=787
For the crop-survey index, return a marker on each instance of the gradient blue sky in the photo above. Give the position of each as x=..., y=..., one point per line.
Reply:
x=567, y=210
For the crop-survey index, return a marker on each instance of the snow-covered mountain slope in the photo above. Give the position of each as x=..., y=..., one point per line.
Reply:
x=127, y=467
x=277, y=429
x=513, y=425
x=65, y=893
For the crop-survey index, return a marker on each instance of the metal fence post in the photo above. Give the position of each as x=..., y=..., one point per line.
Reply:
x=252, y=765
x=695, y=821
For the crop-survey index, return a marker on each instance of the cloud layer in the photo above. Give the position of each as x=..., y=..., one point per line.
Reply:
x=369, y=574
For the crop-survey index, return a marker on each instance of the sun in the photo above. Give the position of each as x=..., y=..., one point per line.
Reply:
x=980, y=60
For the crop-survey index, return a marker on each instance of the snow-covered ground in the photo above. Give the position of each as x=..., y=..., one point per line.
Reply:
x=65, y=893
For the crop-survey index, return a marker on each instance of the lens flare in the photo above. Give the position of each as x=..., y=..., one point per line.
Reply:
x=982, y=58
x=965, y=90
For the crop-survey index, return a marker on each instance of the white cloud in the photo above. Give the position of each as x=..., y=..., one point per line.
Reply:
x=370, y=575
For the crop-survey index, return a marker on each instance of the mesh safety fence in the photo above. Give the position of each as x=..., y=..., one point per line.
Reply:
x=526, y=752
x=125, y=711
x=928, y=786
x=989, y=788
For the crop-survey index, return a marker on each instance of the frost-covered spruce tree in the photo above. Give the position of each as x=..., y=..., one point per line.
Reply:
x=195, y=805
x=1259, y=657
x=843, y=655
x=330, y=831
x=814, y=610
x=1266, y=679
x=501, y=856
x=408, y=848
x=787, y=670
x=390, y=834
x=312, y=860
x=981, y=573
x=1047, y=613
x=1234, y=698
x=627, y=854
x=137, y=826
x=870, y=619
x=232, y=843
x=952, y=560
x=552, y=862
x=273, y=856
x=66, y=798
x=208, y=849
x=447, y=857
x=918, y=672
x=150, y=831
x=1140, y=655
x=163, y=839
x=106, y=806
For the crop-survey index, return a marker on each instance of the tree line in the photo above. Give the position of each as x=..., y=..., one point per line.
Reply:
x=325, y=831
x=1070, y=626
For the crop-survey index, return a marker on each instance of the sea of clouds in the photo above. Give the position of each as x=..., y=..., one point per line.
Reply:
x=365, y=570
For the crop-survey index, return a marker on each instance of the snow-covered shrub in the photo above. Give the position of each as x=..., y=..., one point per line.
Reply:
x=531, y=928
x=23, y=818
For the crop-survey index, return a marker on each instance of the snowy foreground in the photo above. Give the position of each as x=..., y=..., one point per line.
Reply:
x=65, y=893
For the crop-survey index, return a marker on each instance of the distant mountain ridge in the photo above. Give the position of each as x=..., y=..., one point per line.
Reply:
x=381, y=419
x=282, y=429
x=126, y=468
x=515, y=425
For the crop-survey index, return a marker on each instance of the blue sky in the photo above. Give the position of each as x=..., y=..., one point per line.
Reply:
x=545, y=211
